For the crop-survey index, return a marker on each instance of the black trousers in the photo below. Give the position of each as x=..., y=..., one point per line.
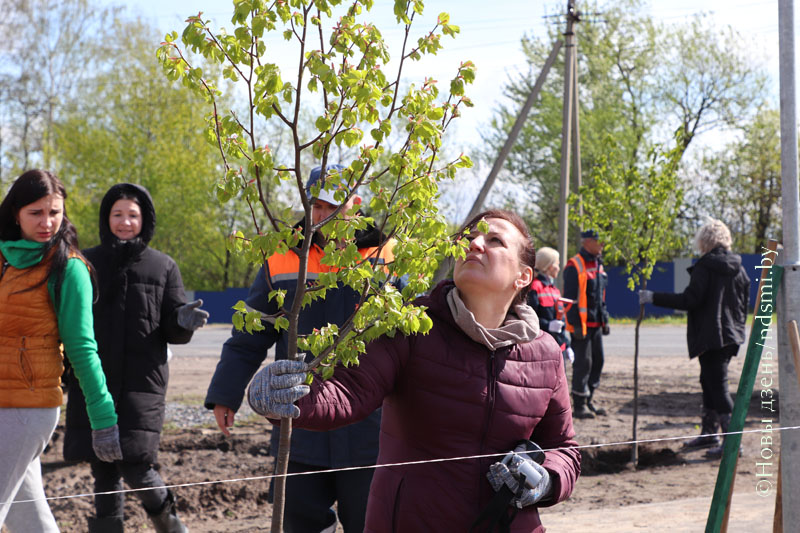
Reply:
x=714, y=380
x=108, y=477
x=588, y=364
x=309, y=499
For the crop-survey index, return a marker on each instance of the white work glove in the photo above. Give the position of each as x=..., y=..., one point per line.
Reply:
x=105, y=443
x=645, y=297
x=570, y=355
x=499, y=474
x=555, y=326
x=276, y=387
x=191, y=317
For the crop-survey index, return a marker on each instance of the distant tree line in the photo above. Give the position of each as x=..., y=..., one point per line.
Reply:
x=639, y=81
x=81, y=93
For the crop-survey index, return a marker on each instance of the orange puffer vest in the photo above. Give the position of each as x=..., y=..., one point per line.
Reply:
x=31, y=361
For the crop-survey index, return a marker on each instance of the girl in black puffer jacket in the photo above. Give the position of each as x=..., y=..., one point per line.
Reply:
x=141, y=307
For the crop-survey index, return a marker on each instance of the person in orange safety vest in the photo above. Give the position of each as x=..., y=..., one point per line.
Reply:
x=585, y=283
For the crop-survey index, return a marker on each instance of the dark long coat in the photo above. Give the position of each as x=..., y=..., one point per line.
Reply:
x=716, y=299
x=135, y=317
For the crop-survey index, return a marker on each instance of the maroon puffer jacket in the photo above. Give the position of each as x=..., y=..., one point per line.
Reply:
x=446, y=396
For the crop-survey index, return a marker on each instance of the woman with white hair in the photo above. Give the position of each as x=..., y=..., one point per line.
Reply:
x=545, y=299
x=716, y=300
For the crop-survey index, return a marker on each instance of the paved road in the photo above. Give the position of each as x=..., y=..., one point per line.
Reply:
x=206, y=342
x=655, y=340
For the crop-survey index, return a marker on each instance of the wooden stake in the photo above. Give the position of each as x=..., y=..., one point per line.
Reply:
x=777, y=520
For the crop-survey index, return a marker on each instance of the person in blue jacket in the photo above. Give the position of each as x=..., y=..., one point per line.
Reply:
x=309, y=499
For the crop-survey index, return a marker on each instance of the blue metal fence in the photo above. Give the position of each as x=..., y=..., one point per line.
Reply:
x=667, y=277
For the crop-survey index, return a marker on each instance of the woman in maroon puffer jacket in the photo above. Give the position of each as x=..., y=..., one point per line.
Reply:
x=483, y=379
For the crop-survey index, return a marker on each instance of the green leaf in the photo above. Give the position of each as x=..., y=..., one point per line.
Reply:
x=281, y=323
x=323, y=124
x=238, y=321
x=435, y=113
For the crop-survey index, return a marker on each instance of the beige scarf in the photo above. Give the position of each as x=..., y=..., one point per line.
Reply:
x=521, y=324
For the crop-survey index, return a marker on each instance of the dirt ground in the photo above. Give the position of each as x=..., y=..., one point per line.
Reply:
x=670, y=489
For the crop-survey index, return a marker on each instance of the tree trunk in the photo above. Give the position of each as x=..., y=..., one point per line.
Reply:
x=281, y=467
x=635, y=447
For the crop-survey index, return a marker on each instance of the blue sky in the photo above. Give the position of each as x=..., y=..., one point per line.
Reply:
x=491, y=33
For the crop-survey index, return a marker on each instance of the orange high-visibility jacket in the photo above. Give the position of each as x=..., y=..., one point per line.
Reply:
x=584, y=274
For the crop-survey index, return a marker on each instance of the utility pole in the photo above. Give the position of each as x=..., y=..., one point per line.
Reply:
x=576, y=132
x=789, y=292
x=515, y=129
x=567, y=129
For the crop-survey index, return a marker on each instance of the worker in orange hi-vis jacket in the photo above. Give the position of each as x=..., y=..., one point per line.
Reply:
x=585, y=283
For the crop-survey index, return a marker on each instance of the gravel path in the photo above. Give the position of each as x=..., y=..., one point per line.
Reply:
x=184, y=416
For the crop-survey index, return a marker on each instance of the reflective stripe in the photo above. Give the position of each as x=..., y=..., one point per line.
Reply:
x=583, y=311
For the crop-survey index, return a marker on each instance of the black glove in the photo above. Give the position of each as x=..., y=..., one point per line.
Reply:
x=606, y=329
x=105, y=443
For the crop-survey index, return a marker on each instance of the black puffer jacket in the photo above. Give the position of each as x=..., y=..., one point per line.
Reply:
x=716, y=299
x=135, y=317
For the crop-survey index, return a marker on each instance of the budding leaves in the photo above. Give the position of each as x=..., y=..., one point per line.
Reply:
x=634, y=208
x=394, y=136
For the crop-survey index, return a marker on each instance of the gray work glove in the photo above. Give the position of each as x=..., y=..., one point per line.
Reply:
x=555, y=326
x=276, y=387
x=105, y=443
x=645, y=297
x=191, y=317
x=511, y=475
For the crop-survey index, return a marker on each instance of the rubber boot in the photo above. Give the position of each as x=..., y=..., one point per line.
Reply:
x=707, y=438
x=106, y=524
x=166, y=520
x=716, y=451
x=579, y=409
x=596, y=409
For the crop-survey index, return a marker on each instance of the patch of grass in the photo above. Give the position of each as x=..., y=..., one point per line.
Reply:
x=190, y=400
x=677, y=319
x=169, y=427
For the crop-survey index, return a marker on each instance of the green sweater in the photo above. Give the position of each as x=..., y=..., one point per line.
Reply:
x=75, y=327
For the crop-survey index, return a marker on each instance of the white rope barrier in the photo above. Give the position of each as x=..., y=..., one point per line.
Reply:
x=408, y=463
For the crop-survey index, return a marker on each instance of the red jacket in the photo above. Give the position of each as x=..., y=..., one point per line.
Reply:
x=446, y=396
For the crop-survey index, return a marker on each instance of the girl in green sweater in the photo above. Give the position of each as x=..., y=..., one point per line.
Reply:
x=45, y=311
